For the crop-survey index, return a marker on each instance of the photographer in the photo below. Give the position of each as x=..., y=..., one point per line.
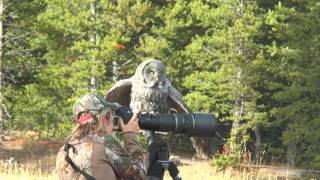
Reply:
x=92, y=152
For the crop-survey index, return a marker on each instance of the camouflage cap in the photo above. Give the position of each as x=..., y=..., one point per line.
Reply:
x=93, y=103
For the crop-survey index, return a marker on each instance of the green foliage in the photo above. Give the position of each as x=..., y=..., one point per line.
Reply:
x=179, y=144
x=255, y=64
x=142, y=141
x=221, y=162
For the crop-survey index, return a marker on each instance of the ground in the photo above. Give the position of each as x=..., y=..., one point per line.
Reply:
x=31, y=158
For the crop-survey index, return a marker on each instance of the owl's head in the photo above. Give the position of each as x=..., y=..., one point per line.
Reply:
x=152, y=73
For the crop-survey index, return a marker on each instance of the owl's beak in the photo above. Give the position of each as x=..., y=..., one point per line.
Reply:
x=156, y=83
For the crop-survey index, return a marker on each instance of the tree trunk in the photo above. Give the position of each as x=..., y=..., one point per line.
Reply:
x=239, y=101
x=1, y=75
x=238, y=114
x=93, y=39
x=291, y=155
x=258, y=144
x=115, y=71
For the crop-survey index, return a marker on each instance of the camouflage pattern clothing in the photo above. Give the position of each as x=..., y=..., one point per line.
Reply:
x=119, y=163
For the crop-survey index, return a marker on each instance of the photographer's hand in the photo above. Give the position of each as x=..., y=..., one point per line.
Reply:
x=131, y=126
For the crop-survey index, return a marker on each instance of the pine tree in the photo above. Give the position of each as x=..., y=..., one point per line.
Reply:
x=82, y=41
x=20, y=61
x=295, y=27
x=221, y=59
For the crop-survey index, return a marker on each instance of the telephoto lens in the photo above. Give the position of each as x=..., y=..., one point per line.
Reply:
x=190, y=124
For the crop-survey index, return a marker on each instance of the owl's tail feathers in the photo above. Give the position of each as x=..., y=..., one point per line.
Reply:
x=203, y=146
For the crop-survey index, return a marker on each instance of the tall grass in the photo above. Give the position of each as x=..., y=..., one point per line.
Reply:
x=11, y=170
x=192, y=170
x=26, y=174
x=203, y=171
x=35, y=160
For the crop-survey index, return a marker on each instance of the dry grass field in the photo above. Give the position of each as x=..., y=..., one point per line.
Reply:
x=34, y=159
x=193, y=171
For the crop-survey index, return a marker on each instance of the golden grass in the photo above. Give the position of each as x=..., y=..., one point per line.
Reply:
x=190, y=170
x=34, y=169
x=203, y=171
x=35, y=160
x=27, y=174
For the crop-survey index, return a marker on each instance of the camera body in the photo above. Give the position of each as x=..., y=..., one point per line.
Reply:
x=190, y=124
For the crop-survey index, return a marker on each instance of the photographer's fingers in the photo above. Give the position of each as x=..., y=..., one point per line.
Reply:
x=122, y=126
x=131, y=126
x=134, y=117
x=133, y=123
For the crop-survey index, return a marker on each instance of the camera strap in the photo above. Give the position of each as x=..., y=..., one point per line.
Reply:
x=75, y=167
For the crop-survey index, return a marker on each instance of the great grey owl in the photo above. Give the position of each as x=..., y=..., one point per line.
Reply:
x=149, y=90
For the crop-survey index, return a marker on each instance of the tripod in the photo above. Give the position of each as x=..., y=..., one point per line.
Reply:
x=158, y=160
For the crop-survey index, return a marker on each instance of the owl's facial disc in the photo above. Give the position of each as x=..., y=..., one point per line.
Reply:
x=154, y=74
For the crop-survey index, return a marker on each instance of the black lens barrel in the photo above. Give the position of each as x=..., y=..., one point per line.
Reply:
x=190, y=124
x=193, y=124
x=205, y=125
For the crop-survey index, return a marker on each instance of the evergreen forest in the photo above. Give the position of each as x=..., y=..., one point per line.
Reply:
x=255, y=63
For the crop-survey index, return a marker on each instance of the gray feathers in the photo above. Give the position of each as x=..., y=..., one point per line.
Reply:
x=149, y=90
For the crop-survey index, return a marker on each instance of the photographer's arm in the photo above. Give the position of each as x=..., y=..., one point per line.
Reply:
x=131, y=144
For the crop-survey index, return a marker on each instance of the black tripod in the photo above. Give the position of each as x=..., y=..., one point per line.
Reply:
x=158, y=160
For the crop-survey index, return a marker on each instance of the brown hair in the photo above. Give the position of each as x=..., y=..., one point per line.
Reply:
x=95, y=126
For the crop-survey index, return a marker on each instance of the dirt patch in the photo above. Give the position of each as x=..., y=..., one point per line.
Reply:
x=28, y=152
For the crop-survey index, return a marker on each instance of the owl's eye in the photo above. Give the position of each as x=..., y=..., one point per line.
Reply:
x=150, y=72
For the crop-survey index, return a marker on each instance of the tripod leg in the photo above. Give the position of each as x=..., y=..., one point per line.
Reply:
x=152, y=149
x=155, y=171
x=163, y=155
x=173, y=171
x=150, y=137
x=158, y=162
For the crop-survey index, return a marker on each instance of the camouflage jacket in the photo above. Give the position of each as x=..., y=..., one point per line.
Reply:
x=117, y=162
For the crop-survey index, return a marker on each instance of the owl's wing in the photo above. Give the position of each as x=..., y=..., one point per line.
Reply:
x=176, y=101
x=120, y=92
